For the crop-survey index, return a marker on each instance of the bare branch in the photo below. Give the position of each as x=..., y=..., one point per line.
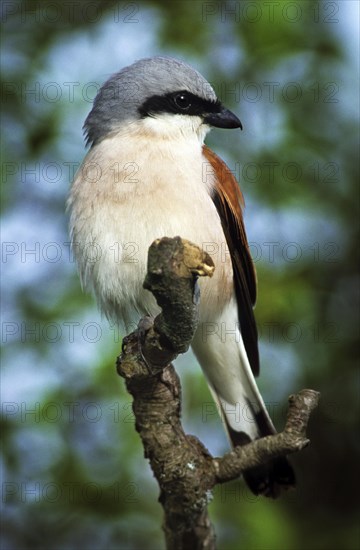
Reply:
x=183, y=467
x=291, y=440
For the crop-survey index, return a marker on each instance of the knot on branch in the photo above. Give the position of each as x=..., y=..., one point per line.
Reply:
x=174, y=266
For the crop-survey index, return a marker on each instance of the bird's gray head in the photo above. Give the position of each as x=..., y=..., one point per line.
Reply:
x=150, y=88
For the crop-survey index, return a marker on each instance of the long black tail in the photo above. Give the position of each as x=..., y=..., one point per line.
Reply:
x=269, y=479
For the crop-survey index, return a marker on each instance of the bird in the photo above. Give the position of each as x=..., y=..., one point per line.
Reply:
x=148, y=174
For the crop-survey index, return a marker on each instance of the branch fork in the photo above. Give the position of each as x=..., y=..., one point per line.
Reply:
x=185, y=470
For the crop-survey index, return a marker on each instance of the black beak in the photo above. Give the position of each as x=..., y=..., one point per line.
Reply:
x=223, y=119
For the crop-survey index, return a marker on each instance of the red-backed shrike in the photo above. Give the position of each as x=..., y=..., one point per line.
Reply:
x=148, y=175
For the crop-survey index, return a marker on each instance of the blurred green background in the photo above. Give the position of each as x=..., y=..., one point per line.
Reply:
x=73, y=471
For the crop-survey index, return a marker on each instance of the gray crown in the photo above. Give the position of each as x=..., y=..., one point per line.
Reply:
x=121, y=97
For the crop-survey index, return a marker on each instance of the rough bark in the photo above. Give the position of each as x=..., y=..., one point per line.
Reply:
x=183, y=467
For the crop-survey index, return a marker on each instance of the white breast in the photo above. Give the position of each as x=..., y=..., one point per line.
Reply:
x=129, y=191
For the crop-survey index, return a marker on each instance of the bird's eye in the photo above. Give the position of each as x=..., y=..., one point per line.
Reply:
x=182, y=101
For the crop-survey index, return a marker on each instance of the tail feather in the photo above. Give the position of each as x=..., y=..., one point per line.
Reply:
x=271, y=479
x=268, y=479
x=233, y=386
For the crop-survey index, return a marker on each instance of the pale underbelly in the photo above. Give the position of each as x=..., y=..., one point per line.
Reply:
x=118, y=274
